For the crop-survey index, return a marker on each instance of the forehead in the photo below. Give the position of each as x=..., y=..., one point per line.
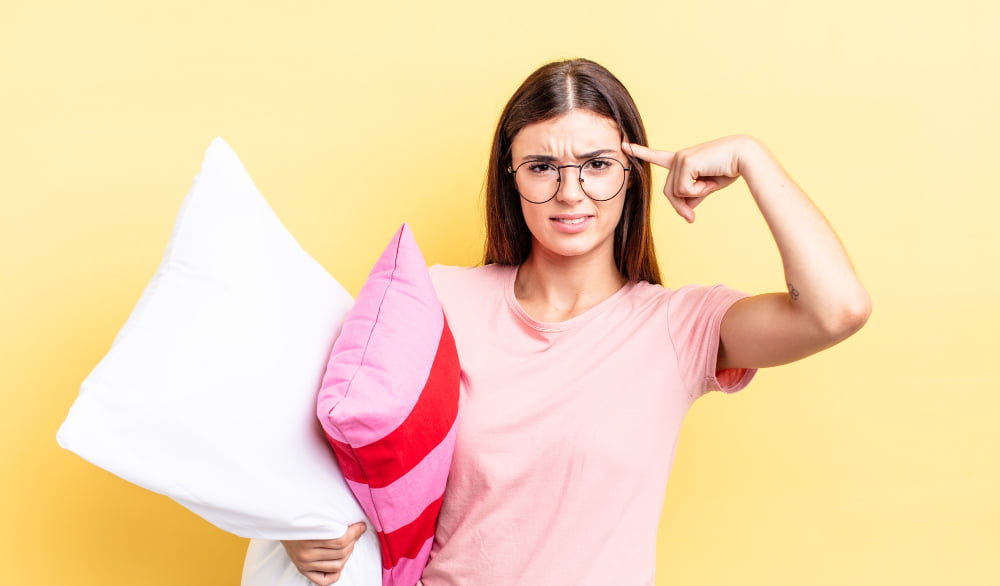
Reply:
x=576, y=131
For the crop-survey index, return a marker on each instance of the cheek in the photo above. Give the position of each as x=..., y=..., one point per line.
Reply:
x=530, y=214
x=619, y=211
x=529, y=217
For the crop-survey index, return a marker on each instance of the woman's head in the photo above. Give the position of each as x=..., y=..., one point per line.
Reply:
x=550, y=92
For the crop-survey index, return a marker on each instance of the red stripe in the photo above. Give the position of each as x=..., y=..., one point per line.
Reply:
x=349, y=466
x=384, y=461
x=406, y=541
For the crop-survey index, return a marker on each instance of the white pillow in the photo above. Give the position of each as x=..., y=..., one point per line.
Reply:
x=208, y=394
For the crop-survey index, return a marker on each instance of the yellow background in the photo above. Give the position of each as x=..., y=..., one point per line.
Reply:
x=874, y=463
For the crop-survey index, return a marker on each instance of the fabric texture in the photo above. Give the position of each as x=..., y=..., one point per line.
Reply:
x=388, y=404
x=208, y=392
x=568, y=430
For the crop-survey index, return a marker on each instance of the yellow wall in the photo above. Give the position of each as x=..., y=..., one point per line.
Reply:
x=875, y=463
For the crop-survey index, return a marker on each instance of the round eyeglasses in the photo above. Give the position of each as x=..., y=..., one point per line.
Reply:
x=601, y=178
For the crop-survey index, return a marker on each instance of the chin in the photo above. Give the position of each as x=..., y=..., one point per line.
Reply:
x=573, y=250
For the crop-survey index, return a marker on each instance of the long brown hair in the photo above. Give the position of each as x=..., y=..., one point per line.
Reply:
x=550, y=91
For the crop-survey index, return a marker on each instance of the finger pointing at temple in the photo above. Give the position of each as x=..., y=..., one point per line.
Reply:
x=659, y=158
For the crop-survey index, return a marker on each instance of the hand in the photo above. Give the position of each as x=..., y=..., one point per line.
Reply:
x=697, y=172
x=322, y=560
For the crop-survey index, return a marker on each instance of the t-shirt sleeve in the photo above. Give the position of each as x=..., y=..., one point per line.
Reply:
x=437, y=273
x=695, y=320
x=447, y=283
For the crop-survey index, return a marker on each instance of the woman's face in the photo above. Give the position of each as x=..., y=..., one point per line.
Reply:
x=571, y=224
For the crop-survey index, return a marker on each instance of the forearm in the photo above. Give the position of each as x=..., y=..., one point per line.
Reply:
x=825, y=301
x=822, y=284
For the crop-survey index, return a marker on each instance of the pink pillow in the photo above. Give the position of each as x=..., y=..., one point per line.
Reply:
x=388, y=404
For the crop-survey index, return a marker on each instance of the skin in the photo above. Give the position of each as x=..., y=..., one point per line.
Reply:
x=322, y=560
x=824, y=302
x=568, y=272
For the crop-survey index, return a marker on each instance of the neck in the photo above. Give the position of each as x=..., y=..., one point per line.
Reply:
x=557, y=289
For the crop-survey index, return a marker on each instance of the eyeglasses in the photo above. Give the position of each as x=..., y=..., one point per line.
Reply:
x=601, y=178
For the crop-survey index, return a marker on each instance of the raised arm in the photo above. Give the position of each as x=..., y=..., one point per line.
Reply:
x=824, y=302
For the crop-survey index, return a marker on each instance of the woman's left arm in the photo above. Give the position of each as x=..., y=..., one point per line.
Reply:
x=824, y=302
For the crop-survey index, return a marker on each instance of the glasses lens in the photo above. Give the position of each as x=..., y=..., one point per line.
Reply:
x=602, y=178
x=537, y=181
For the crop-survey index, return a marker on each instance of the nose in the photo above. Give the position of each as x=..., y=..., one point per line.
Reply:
x=570, y=189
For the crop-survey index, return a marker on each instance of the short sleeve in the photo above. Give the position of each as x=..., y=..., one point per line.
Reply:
x=695, y=320
x=451, y=285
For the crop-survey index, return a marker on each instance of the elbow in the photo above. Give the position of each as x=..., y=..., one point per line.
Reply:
x=856, y=314
x=848, y=317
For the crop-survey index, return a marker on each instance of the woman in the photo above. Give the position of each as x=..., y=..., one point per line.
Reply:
x=577, y=365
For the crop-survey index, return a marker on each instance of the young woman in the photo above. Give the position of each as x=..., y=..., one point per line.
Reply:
x=577, y=365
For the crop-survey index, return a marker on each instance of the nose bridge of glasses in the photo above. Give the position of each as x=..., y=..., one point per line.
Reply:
x=572, y=189
x=579, y=168
x=579, y=172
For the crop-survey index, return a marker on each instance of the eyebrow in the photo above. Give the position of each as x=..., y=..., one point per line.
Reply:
x=582, y=156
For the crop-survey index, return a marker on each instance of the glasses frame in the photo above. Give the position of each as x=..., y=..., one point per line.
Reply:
x=579, y=176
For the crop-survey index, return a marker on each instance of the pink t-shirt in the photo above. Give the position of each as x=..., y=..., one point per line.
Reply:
x=567, y=430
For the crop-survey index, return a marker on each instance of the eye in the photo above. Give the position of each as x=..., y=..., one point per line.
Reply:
x=599, y=164
x=539, y=168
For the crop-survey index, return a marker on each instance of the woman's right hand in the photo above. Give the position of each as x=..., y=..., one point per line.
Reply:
x=322, y=560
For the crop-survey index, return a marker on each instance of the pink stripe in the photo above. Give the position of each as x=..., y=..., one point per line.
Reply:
x=407, y=572
x=388, y=341
x=383, y=462
x=368, y=506
x=402, y=501
x=407, y=541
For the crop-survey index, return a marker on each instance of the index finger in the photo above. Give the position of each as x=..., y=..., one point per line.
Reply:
x=660, y=158
x=355, y=531
x=352, y=534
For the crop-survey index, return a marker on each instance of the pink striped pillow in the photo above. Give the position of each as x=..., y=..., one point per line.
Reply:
x=388, y=405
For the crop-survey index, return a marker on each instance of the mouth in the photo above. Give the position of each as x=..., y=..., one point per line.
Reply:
x=571, y=219
x=572, y=223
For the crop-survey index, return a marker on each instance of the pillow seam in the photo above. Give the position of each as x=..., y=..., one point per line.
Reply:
x=361, y=363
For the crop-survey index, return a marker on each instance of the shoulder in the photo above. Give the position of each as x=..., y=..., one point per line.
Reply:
x=449, y=276
x=455, y=283
x=683, y=304
x=696, y=298
x=643, y=293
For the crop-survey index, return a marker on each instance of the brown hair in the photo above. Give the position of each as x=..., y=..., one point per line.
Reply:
x=552, y=90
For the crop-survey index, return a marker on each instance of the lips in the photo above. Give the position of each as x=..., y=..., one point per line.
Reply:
x=570, y=219
x=571, y=223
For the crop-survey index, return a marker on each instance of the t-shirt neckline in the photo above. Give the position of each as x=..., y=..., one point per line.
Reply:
x=561, y=326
